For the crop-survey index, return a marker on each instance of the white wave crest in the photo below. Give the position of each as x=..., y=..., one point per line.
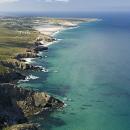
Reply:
x=28, y=78
x=28, y=60
x=31, y=77
x=65, y=105
x=55, y=71
x=45, y=70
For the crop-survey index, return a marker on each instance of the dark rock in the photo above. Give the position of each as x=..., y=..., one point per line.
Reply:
x=30, y=50
x=36, y=68
x=19, y=65
x=22, y=60
x=11, y=76
x=55, y=104
x=16, y=104
x=26, y=55
x=38, y=43
x=40, y=48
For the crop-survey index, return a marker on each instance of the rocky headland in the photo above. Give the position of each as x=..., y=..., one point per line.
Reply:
x=17, y=104
x=23, y=126
x=11, y=77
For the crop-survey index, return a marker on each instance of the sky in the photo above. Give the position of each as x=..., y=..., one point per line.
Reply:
x=64, y=5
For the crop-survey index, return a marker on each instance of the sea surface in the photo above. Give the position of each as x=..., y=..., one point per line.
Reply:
x=89, y=69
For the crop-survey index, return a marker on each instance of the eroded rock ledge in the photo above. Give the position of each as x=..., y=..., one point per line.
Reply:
x=19, y=65
x=23, y=127
x=26, y=55
x=17, y=104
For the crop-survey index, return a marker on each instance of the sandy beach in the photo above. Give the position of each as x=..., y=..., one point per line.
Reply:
x=56, y=25
x=49, y=29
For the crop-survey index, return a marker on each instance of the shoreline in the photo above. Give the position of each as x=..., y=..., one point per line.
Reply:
x=23, y=62
x=53, y=34
x=53, y=31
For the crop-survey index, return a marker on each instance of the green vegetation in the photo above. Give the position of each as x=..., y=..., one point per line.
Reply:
x=4, y=70
x=16, y=34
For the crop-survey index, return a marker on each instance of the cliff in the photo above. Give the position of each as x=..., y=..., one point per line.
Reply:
x=17, y=104
x=26, y=55
x=11, y=76
x=45, y=38
x=18, y=65
x=23, y=127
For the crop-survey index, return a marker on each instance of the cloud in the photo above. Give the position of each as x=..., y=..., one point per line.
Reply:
x=56, y=0
x=62, y=0
x=8, y=1
x=11, y=1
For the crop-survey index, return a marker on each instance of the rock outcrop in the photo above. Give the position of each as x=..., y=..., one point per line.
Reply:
x=38, y=43
x=11, y=76
x=26, y=55
x=23, y=127
x=19, y=65
x=17, y=104
x=45, y=38
x=40, y=48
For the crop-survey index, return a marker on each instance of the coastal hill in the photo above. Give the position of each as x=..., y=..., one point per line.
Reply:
x=17, y=104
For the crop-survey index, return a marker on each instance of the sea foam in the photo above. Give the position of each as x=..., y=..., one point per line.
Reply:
x=29, y=77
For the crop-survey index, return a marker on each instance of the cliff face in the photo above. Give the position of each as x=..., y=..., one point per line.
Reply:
x=17, y=104
x=40, y=48
x=26, y=55
x=19, y=65
x=45, y=38
x=23, y=127
x=11, y=76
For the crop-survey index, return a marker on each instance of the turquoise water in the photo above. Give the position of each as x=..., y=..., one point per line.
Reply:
x=90, y=70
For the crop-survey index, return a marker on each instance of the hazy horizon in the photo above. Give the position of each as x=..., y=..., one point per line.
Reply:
x=86, y=14
x=64, y=6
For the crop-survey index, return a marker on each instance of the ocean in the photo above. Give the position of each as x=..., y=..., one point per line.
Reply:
x=89, y=69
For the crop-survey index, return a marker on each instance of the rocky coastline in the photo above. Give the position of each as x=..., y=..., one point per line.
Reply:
x=18, y=104
x=11, y=77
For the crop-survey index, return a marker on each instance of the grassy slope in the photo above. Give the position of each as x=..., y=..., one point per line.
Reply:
x=15, y=36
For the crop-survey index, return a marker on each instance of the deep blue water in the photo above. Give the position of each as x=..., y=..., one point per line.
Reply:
x=90, y=70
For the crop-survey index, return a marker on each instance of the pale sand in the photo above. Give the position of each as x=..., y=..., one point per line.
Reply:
x=57, y=25
x=69, y=24
x=50, y=30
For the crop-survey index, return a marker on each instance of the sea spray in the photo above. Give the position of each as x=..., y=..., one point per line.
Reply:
x=29, y=77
